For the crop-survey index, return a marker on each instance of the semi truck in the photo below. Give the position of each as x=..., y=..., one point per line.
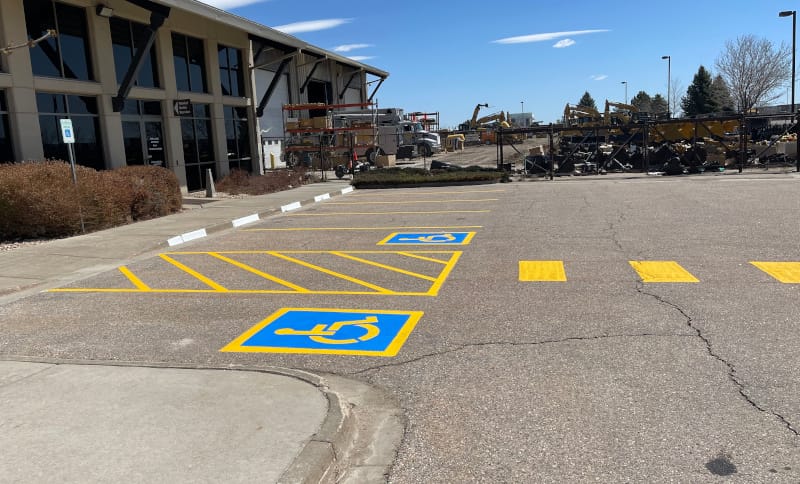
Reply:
x=383, y=131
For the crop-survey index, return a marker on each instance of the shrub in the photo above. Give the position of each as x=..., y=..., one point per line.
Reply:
x=40, y=200
x=397, y=176
x=240, y=182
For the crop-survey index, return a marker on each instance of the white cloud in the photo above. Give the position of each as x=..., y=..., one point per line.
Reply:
x=228, y=4
x=349, y=47
x=359, y=58
x=598, y=77
x=563, y=43
x=312, y=25
x=523, y=39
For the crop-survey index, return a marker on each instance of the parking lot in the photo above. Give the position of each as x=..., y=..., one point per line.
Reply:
x=614, y=329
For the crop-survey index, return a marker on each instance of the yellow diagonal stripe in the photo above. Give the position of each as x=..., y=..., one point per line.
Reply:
x=255, y=271
x=374, y=287
x=193, y=273
x=134, y=280
x=662, y=271
x=785, y=272
x=542, y=271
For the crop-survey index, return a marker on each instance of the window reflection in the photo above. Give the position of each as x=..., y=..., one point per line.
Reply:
x=198, y=146
x=125, y=38
x=237, y=135
x=230, y=71
x=188, y=55
x=6, y=149
x=82, y=110
x=66, y=55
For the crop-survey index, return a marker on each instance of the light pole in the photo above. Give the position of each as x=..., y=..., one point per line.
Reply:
x=669, y=88
x=793, y=14
x=625, y=99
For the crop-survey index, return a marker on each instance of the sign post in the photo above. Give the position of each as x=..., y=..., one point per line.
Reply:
x=68, y=135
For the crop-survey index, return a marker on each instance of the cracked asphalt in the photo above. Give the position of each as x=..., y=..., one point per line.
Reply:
x=602, y=378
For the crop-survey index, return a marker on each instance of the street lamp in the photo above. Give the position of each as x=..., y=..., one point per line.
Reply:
x=625, y=99
x=669, y=88
x=793, y=14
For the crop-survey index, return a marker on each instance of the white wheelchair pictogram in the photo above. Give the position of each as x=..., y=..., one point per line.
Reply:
x=326, y=333
x=429, y=239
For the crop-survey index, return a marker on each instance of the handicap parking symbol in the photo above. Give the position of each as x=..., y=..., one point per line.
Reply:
x=328, y=331
x=428, y=238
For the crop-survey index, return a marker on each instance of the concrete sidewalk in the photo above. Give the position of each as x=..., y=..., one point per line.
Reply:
x=88, y=422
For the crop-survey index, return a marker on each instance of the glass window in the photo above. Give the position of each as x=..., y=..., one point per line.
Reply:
x=125, y=38
x=198, y=146
x=6, y=150
x=188, y=54
x=142, y=132
x=66, y=55
x=238, y=138
x=230, y=71
x=82, y=110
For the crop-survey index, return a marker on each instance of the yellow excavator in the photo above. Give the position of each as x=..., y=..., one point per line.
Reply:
x=578, y=115
x=622, y=114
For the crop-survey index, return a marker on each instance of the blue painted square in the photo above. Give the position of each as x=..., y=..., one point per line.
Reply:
x=336, y=331
x=428, y=238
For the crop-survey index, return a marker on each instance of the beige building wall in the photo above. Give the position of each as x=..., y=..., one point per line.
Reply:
x=20, y=85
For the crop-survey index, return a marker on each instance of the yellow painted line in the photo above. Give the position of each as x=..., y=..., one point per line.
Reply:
x=413, y=201
x=421, y=257
x=327, y=214
x=434, y=290
x=193, y=273
x=383, y=266
x=662, y=271
x=235, y=291
x=364, y=228
x=542, y=271
x=257, y=272
x=329, y=272
x=785, y=272
x=454, y=192
x=134, y=280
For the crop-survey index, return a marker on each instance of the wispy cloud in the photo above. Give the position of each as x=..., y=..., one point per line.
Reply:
x=524, y=39
x=228, y=4
x=349, y=47
x=312, y=25
x=359, y=58
x=598, y=77
x=563, y=43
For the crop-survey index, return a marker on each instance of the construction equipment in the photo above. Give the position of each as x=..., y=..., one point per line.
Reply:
x=584, y=116
x=622, y=114
x=473, y=122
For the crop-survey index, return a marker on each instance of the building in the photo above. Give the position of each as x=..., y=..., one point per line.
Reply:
x=521, y=120
x=175, y=83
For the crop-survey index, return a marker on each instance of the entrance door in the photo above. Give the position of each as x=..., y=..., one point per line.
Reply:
x=144, y=142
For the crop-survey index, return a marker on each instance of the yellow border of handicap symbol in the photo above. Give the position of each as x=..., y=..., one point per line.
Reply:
x=428, y=238
x=356, y=332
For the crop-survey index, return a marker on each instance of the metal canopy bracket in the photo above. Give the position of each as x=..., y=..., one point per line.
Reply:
x=262, y=104
x=158, y=14
x=308, y=78
x=376, y=89
x=349, y=81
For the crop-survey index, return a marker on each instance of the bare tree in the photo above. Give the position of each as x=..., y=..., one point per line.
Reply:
x=754, y=69
x=675, y=95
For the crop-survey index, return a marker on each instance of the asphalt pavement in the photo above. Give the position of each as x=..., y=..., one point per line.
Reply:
x=113, y=421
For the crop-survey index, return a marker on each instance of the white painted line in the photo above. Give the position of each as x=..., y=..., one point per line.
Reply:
x=324, y=196
x=291, y=206
x=175, y=241
x=197, y=234
x=245, y=220
x=347, y=190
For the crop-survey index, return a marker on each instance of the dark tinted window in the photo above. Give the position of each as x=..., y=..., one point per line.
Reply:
x=66, y=55
x=237, y=135
x=6, y=150
x=198, y=146
x=125, y=38
x=190, y=66
x=82, y=110
x=230, y=71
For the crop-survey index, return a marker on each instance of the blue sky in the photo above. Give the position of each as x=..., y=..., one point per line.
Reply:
x=449, y=56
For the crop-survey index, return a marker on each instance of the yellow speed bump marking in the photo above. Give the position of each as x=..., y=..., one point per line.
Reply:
x=542, y=271
x=662, y=271
x=785, y=272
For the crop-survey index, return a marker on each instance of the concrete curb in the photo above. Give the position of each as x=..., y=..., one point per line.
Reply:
x=332, y=453
x=255, y=217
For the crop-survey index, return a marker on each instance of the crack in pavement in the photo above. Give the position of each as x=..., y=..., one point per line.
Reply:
x=513, y=343
x=731, y=368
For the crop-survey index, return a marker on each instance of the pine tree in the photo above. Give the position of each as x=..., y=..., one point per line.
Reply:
x=643, y=102
x=658, y=104
x=587, y=101
x=699, y=97
x=721, y=94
